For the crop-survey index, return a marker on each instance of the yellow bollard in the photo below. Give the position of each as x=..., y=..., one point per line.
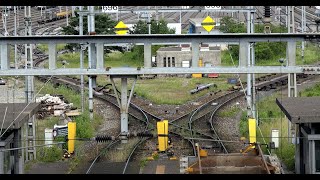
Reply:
x=71, y=136
x=162, y=128
x=252, y=131
x=200, y=64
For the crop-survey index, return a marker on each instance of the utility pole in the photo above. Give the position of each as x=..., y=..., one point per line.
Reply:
x=15, y=34
x=303, y=29
x=149, y=21
x=232, y=12
x=180, y=17
x=67, y=14
x=250, y=103
x=81, y=59
x=157, y=16
x=252, y=53
x=72, y=11
x=92, y=58
x=292, y=85
x=31, y=152
x=287, y=15
x=5, y=21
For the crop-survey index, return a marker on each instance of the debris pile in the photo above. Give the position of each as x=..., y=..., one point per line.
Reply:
x=55, y=105
x=202, y=87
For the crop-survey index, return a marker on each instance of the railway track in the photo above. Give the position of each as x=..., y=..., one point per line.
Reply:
x=198, y=117
x=194, y=120
x=71, y=83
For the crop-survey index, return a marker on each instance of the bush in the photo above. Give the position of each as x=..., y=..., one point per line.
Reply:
x=50, y=154
x=84, y=126
x=244, y=127
x=263, y=51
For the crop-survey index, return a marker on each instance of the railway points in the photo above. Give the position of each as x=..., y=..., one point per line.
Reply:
x=146, y=137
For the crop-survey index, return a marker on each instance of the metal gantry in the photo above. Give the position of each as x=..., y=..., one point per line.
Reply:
x=96, y=66
x=91, y=58
x=291, y=61
x=82, y=47
x=243, y=39
x=31, y=129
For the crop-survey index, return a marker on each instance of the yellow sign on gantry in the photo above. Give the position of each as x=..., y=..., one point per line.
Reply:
x=121, y=28
x=208, y=23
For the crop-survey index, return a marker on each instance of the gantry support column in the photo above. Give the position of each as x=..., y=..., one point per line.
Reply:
x=100, y=53
x=147, y=55
x=293, y=130
x=251, y=62
x=1, y=158
x=291, y=61
x=82, y=47
x=92, y=58
x=31, y=131
x=4, y=55
x=124, y=103
x=195, y=54
x=244, y=61
x=18, y=161
x=291, y=19
x=291, y=56
x=52, y=55
x=292, y=84
x=303, y=29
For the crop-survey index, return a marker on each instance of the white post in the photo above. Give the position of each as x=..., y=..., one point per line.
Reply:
x=15, y=34
x=67, y=14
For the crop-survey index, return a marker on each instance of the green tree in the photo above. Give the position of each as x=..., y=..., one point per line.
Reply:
x=103, y=25
x=229, y=25
x=263, y=50
x=160, y=27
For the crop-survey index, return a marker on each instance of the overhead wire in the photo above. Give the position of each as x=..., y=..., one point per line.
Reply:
x=244, y=91
x=25, y=147
x=25, y=107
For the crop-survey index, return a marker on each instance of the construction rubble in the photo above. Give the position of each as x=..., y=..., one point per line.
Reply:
x=55, y=105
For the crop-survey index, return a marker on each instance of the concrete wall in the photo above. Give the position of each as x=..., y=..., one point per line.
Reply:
x=213, y=57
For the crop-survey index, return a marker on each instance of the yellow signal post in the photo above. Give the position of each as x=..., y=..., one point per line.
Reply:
x=71, y=136
x=162, y=127
x=252, y=131
x=200, y=64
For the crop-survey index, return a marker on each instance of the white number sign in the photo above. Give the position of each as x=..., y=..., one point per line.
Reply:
x=212, y=7
x=109, y=9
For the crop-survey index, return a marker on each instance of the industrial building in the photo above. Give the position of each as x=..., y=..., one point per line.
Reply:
x=182, y=56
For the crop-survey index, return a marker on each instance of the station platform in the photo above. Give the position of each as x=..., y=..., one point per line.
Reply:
x=161, y=166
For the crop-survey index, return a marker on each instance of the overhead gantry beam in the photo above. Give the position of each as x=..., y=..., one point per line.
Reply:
x=148, y=40
x=171, y=10
x=161, y=70
x=161, y=38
